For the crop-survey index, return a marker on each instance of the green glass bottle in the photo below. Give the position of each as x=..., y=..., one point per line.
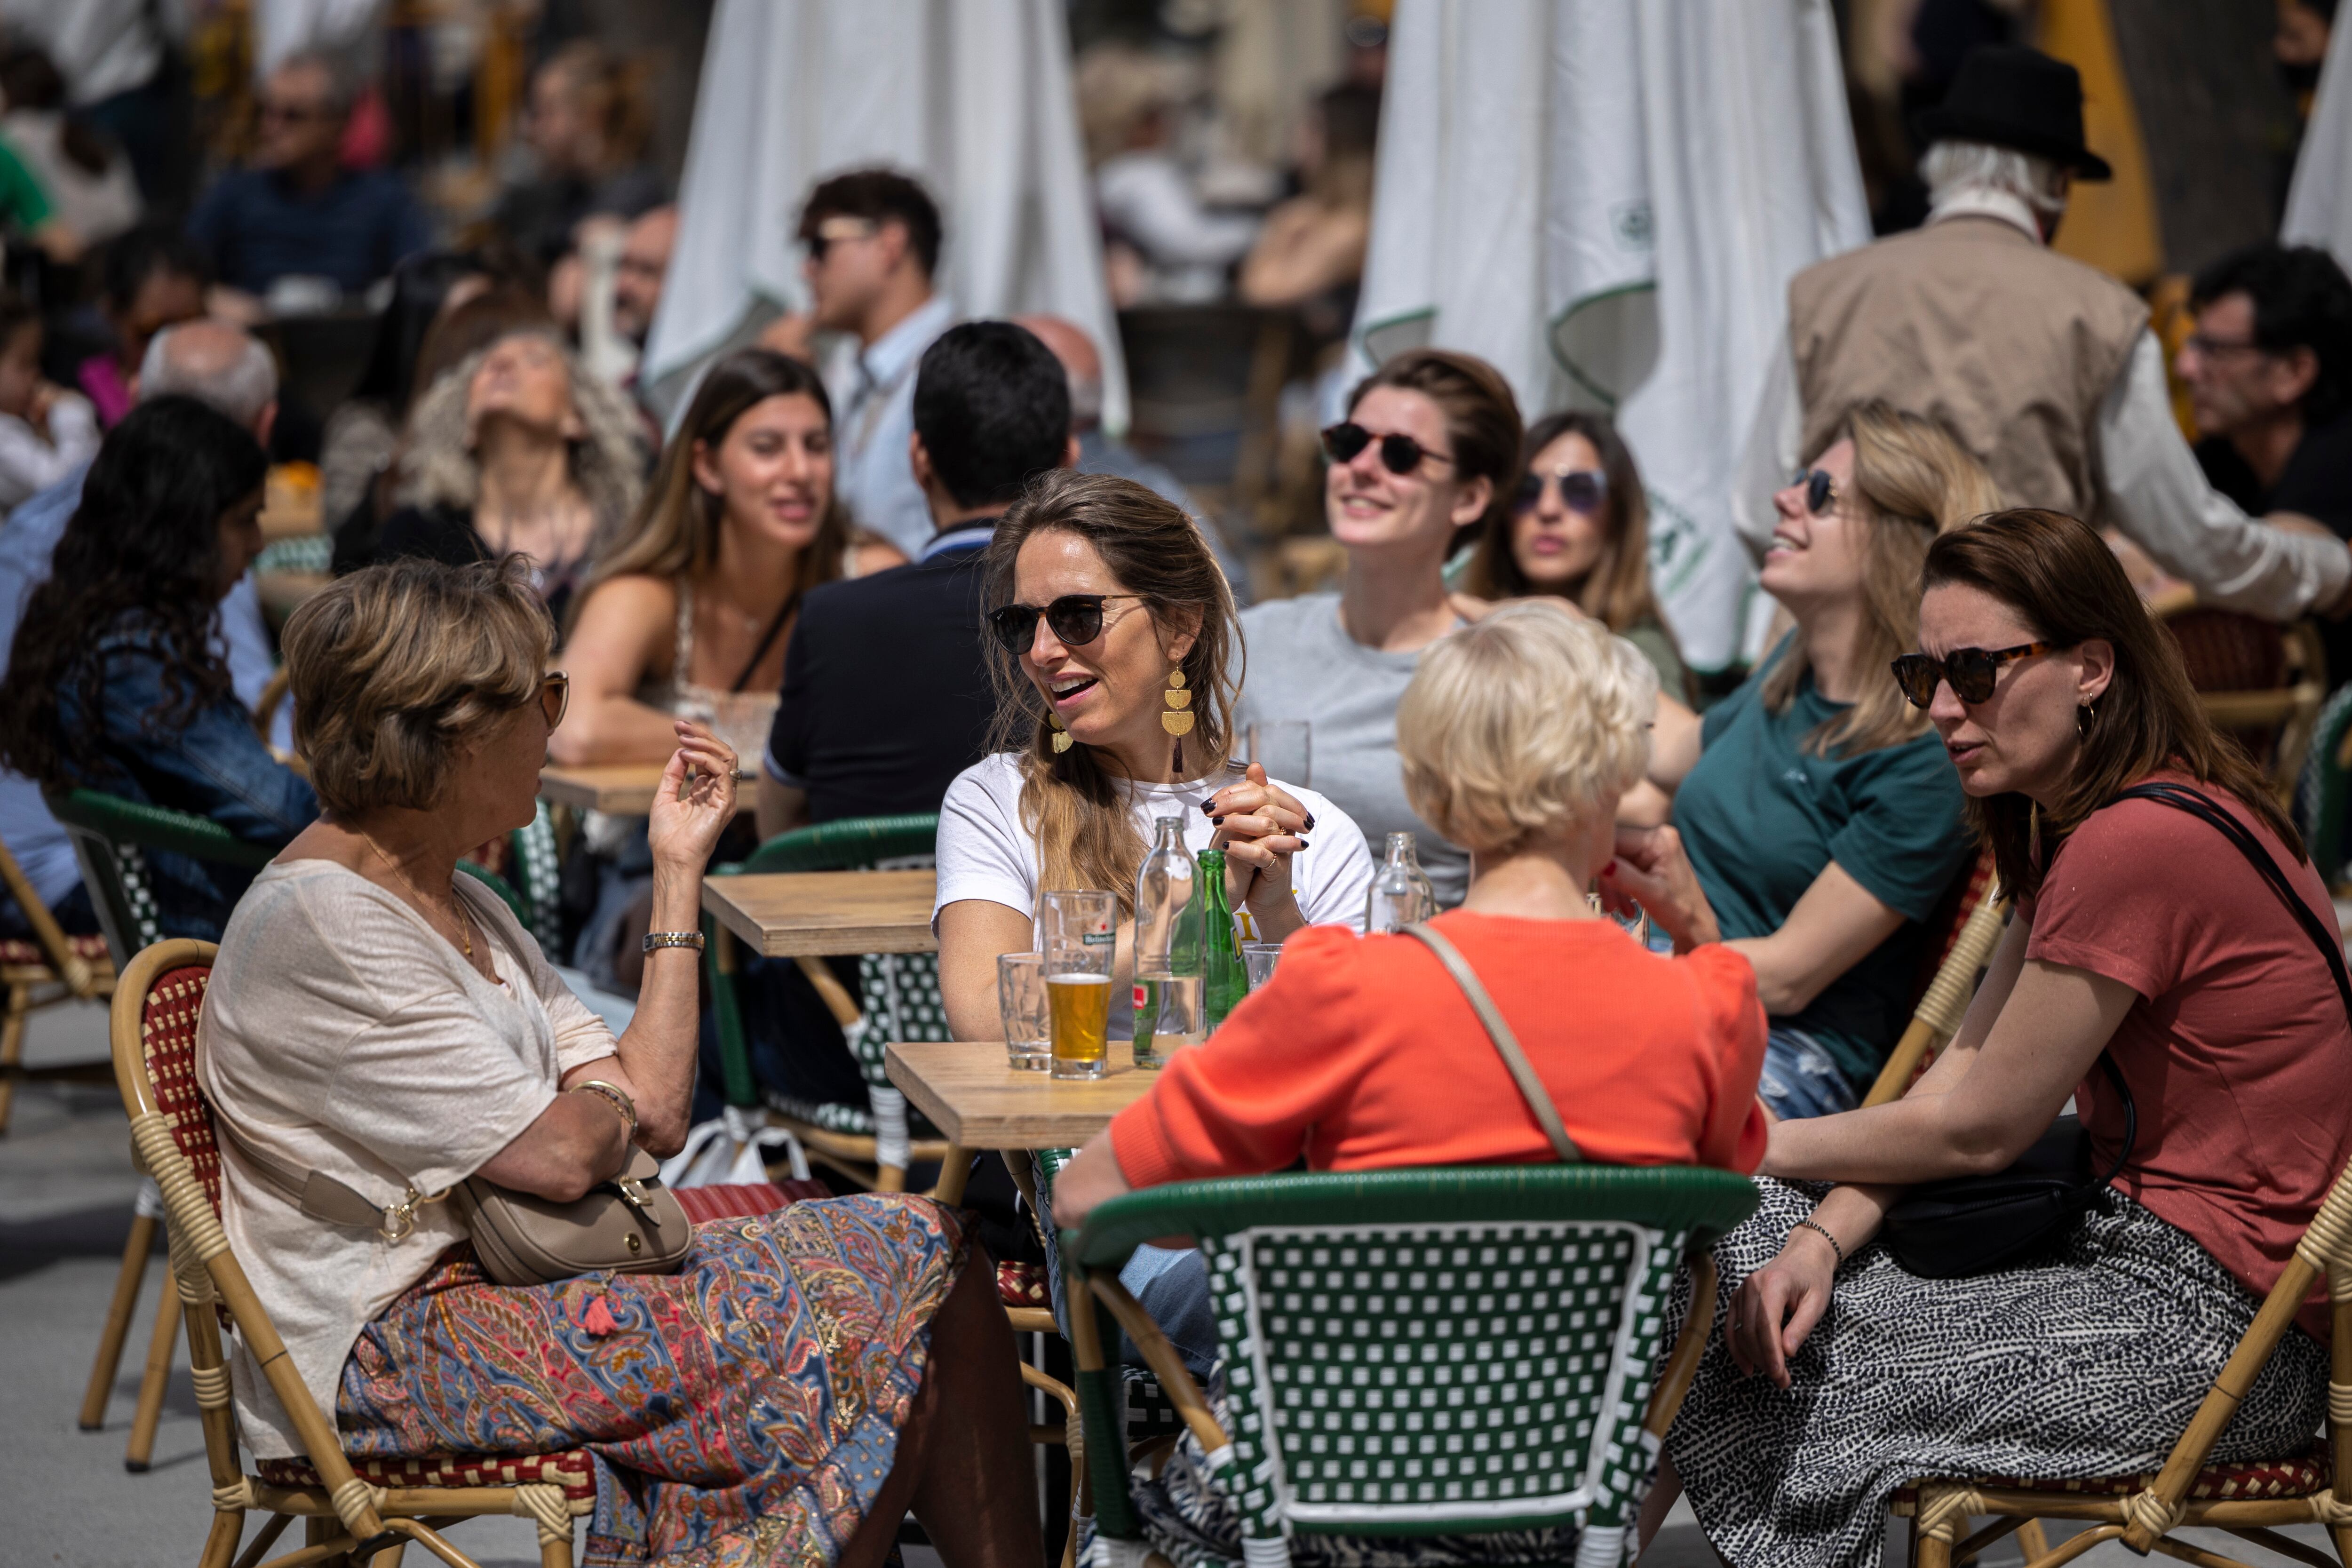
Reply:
x=1223, y=982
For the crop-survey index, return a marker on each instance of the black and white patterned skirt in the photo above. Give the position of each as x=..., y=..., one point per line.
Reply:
x=2090, y=1364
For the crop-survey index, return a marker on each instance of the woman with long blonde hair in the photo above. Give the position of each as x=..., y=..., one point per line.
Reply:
x=1816, y=820
x=689, y=613
x=1103, y=599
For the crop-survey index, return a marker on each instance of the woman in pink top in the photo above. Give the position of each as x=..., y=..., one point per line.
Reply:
x=2142, y=933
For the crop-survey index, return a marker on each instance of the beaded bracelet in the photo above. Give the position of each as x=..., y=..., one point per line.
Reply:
x=1821, y=1231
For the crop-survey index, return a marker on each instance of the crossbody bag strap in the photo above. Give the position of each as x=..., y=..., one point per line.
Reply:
x=1531, y=1087
x=319, y=1195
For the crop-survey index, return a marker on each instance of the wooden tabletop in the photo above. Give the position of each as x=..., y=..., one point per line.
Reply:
x=803, y=914
x=972, y=1095
x=626, y=790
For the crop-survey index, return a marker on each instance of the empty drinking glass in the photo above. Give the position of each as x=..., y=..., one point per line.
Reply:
x=1021, y=1004
x=1258, y=959
x=1166, y=1017
x=1285, y=749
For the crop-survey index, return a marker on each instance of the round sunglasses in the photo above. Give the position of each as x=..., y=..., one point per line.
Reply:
x=1821, y=490
x=1581, y=491
x=1969, y=670
x=1076, y=620
x=1400, y=454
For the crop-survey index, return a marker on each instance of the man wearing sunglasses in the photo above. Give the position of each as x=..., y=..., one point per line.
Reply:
x=2042, y=367
x=872, y=241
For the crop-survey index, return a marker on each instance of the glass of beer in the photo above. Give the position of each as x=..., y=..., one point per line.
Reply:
x=1021, y=1004
x=1077, y=936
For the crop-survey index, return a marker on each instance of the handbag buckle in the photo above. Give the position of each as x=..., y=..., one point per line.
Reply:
x=400, y=1218
x=633, y=1192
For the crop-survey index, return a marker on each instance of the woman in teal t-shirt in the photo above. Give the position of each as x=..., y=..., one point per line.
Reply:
x=1816, y=818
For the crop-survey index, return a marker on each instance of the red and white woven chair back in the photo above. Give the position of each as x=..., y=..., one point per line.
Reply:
x=167, y=1039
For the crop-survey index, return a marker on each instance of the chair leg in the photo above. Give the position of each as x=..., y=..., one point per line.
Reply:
x=220, y=1541
x=2343, y=1536
x=150, y=1413
x=127, y=1283
x=12, y=1048
x=2033, y=1542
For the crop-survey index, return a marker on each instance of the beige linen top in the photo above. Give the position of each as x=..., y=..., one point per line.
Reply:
x=342, y=1033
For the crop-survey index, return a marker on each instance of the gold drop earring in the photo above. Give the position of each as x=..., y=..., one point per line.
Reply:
x=1177, y=722
x=1061, y=732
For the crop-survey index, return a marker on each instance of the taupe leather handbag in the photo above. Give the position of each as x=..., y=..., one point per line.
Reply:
x=630, y=1225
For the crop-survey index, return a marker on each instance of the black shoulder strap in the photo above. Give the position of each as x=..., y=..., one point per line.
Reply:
x=2180, y=798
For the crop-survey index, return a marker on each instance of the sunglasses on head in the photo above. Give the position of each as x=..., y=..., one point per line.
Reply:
x=1581, y=491
x=1821, y=490
x=1969, y=670
x=1076, y=620
x=1400, y=454
x=555, y=696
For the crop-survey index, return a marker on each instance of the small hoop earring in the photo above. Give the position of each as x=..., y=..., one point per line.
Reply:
x=2083, y=716
x=1177, y=722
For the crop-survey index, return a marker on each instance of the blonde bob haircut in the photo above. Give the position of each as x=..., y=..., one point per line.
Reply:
x=396, y=669
x=1527, y=724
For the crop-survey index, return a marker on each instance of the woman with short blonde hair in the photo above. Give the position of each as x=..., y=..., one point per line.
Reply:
x=380, y=1019
x=1816, y=822
x=1516, y=734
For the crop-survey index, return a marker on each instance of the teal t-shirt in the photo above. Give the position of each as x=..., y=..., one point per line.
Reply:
x=1761, y=818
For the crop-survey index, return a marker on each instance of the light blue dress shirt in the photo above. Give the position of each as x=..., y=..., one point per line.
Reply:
x=872, y=393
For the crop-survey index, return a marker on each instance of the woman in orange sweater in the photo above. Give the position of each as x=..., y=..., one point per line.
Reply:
x=1517, y=736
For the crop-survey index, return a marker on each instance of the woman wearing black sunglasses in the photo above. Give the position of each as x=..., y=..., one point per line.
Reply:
x=1579, y=527
x=1110, y=618
x=1427, y=453
x=2142, y=935
x=1815, y=823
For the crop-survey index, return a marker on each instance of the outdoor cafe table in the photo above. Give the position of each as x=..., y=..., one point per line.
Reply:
x=971, y=1094
x=808, y=914
x=623, y=791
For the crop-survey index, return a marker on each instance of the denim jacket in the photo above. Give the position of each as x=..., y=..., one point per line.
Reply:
x=214, y=767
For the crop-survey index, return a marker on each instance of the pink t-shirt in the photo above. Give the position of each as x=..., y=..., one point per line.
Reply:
x=2238, y=1052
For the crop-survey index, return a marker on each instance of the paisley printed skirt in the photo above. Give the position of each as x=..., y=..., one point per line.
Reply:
x=743, y=1410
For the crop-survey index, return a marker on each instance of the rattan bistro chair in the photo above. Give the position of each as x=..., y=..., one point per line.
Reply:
x=356, y=1510
x=1971, y=930
x=1456, y=1350
x=899, y=1001
x=49, y=969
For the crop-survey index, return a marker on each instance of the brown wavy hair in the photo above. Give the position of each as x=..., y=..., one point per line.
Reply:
x=1075, y=808
x=2065, y=583
x=1482, y=420
x=1617, y=592
x=396, y=668
x=1916, y=481
x=675, y=530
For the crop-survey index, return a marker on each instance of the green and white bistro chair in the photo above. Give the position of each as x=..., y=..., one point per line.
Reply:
x=1455, y=1350
x=898, y=999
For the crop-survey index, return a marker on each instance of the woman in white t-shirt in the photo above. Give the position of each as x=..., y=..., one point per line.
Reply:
x=1106, y=600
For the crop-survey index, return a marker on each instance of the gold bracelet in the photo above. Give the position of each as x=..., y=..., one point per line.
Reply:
x=617, y=1096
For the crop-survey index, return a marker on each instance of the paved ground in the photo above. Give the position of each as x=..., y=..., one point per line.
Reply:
x=66, y=1189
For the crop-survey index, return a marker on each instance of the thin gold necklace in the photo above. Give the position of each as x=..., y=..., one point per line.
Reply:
x=464, y=929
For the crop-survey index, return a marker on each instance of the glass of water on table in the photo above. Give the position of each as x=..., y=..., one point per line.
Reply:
x=1021, y=1004
x=1077, y=936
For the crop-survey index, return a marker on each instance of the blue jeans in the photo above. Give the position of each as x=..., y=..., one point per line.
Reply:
x=1800, y=1078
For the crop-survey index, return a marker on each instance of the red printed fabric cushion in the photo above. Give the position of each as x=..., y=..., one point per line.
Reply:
x=743, y=1200
x=571, y=1470
x=167, y=1034
x=1023, y=1285
x=16, y=953
x=2300, y=1476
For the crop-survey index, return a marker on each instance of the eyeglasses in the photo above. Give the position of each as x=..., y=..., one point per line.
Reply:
x=836, y=229
x=1970, y=671
x=555, y=698
x=2205, y=345
x=1821, y=490
x=1400, y=454
x=1581, y=491
x=1076, y=620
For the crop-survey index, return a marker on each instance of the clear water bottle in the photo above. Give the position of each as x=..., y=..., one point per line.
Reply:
x=1402, y=893
x=1168, y=940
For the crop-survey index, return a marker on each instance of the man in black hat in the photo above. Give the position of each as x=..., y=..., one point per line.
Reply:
x=2042, y=367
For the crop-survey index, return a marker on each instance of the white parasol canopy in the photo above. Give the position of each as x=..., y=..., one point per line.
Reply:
x=971, y=97
x=2319, y=202
x=1607, y=199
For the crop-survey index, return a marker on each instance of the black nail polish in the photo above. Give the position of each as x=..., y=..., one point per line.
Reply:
x=1310, y=824
x=1208, y=808
x=1216, y=822
x=1302, y=843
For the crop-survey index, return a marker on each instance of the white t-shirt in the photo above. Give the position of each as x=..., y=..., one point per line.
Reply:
x=342, y=1033
x=985, y=852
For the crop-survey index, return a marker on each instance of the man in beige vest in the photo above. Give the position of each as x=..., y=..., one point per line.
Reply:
x=2043, y=367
